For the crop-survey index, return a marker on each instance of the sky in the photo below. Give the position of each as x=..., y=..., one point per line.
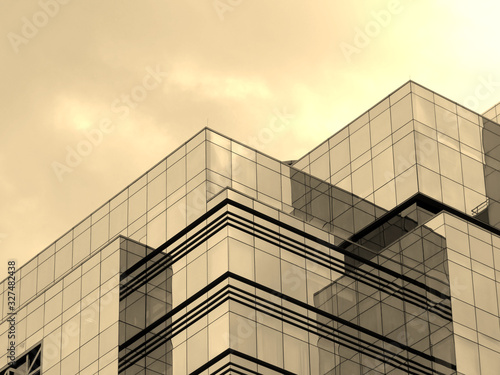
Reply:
x=134, y=80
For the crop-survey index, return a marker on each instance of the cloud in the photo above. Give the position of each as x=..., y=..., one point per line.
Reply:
x=234, y=72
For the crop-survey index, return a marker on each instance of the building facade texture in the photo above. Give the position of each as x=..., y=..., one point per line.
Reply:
x=376, y=253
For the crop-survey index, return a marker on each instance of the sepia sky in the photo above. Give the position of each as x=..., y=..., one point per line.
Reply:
x=140, y=78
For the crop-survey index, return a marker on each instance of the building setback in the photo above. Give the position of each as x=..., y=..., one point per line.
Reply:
x=376, y=253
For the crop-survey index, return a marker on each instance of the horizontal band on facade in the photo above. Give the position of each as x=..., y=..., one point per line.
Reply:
x=279, y=239
x=231, y=292
x=230, y=202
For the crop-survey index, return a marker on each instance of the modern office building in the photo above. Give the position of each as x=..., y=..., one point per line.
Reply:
x=376, y=253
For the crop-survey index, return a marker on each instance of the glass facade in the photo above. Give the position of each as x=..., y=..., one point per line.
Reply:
x=375, y=253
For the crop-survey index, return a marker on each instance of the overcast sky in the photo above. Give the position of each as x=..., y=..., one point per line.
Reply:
x=150, y=74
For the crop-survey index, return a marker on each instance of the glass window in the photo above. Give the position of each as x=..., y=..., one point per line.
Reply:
x=268, y=182
x=267, y=270
x=427, y=152
x=358, y=123
x=53, y=308
x=196, y=275
x=219, y=159
x=315, y=282
x=463, y=313
x=196, y=161
x=89, y=322
x=429, y=183
x=382, y=106
x=296, y=355
x=61, y=242
x=318, y=151
x=157, y=190
x=244, y=171
x=91, y=280
x=449, y=162
x=196, y=203
x=446, y=122
x=453, y=194
x=467, y=356
x=461, y=280
x=176, y=155
x=89, y=353
x=490, y=360
x=109, y=308
x=99, y=233
x=485, y=293
x=457, y=240
x=243, y=151
x=269, y=345
x=71, y=294
x=108, y=339
x=27, y=287
x=110, y=266
x=372, y=319
x=481, y=251
x=242, y=333
x=63, y=260
x=45, y=273
x=81, y=246
x=218, y=336
x=157, y=230
x=100, y=213
x=178, y=287
x=360, y=142
x=383, y=168
x=118, y=219
x=137, y=205
x=473, y=173
x=380, y=127
x=321, y=168
x=404, y=154
x=70, y=364
x=176, y=176
x=385, y=197
x=176, y=217
x=423, y=111
x=217, y=260
x=473, y=200
x=35, y=321
x=362, y=181
x=52, y=349
x=197, y=351
x=241, y=259
x=488, y=324
x=401, y=113
x=339, y=156
x=469, y=133
x=406, y=185
x=293, y=281
x=268, y=162
x=70, y=336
